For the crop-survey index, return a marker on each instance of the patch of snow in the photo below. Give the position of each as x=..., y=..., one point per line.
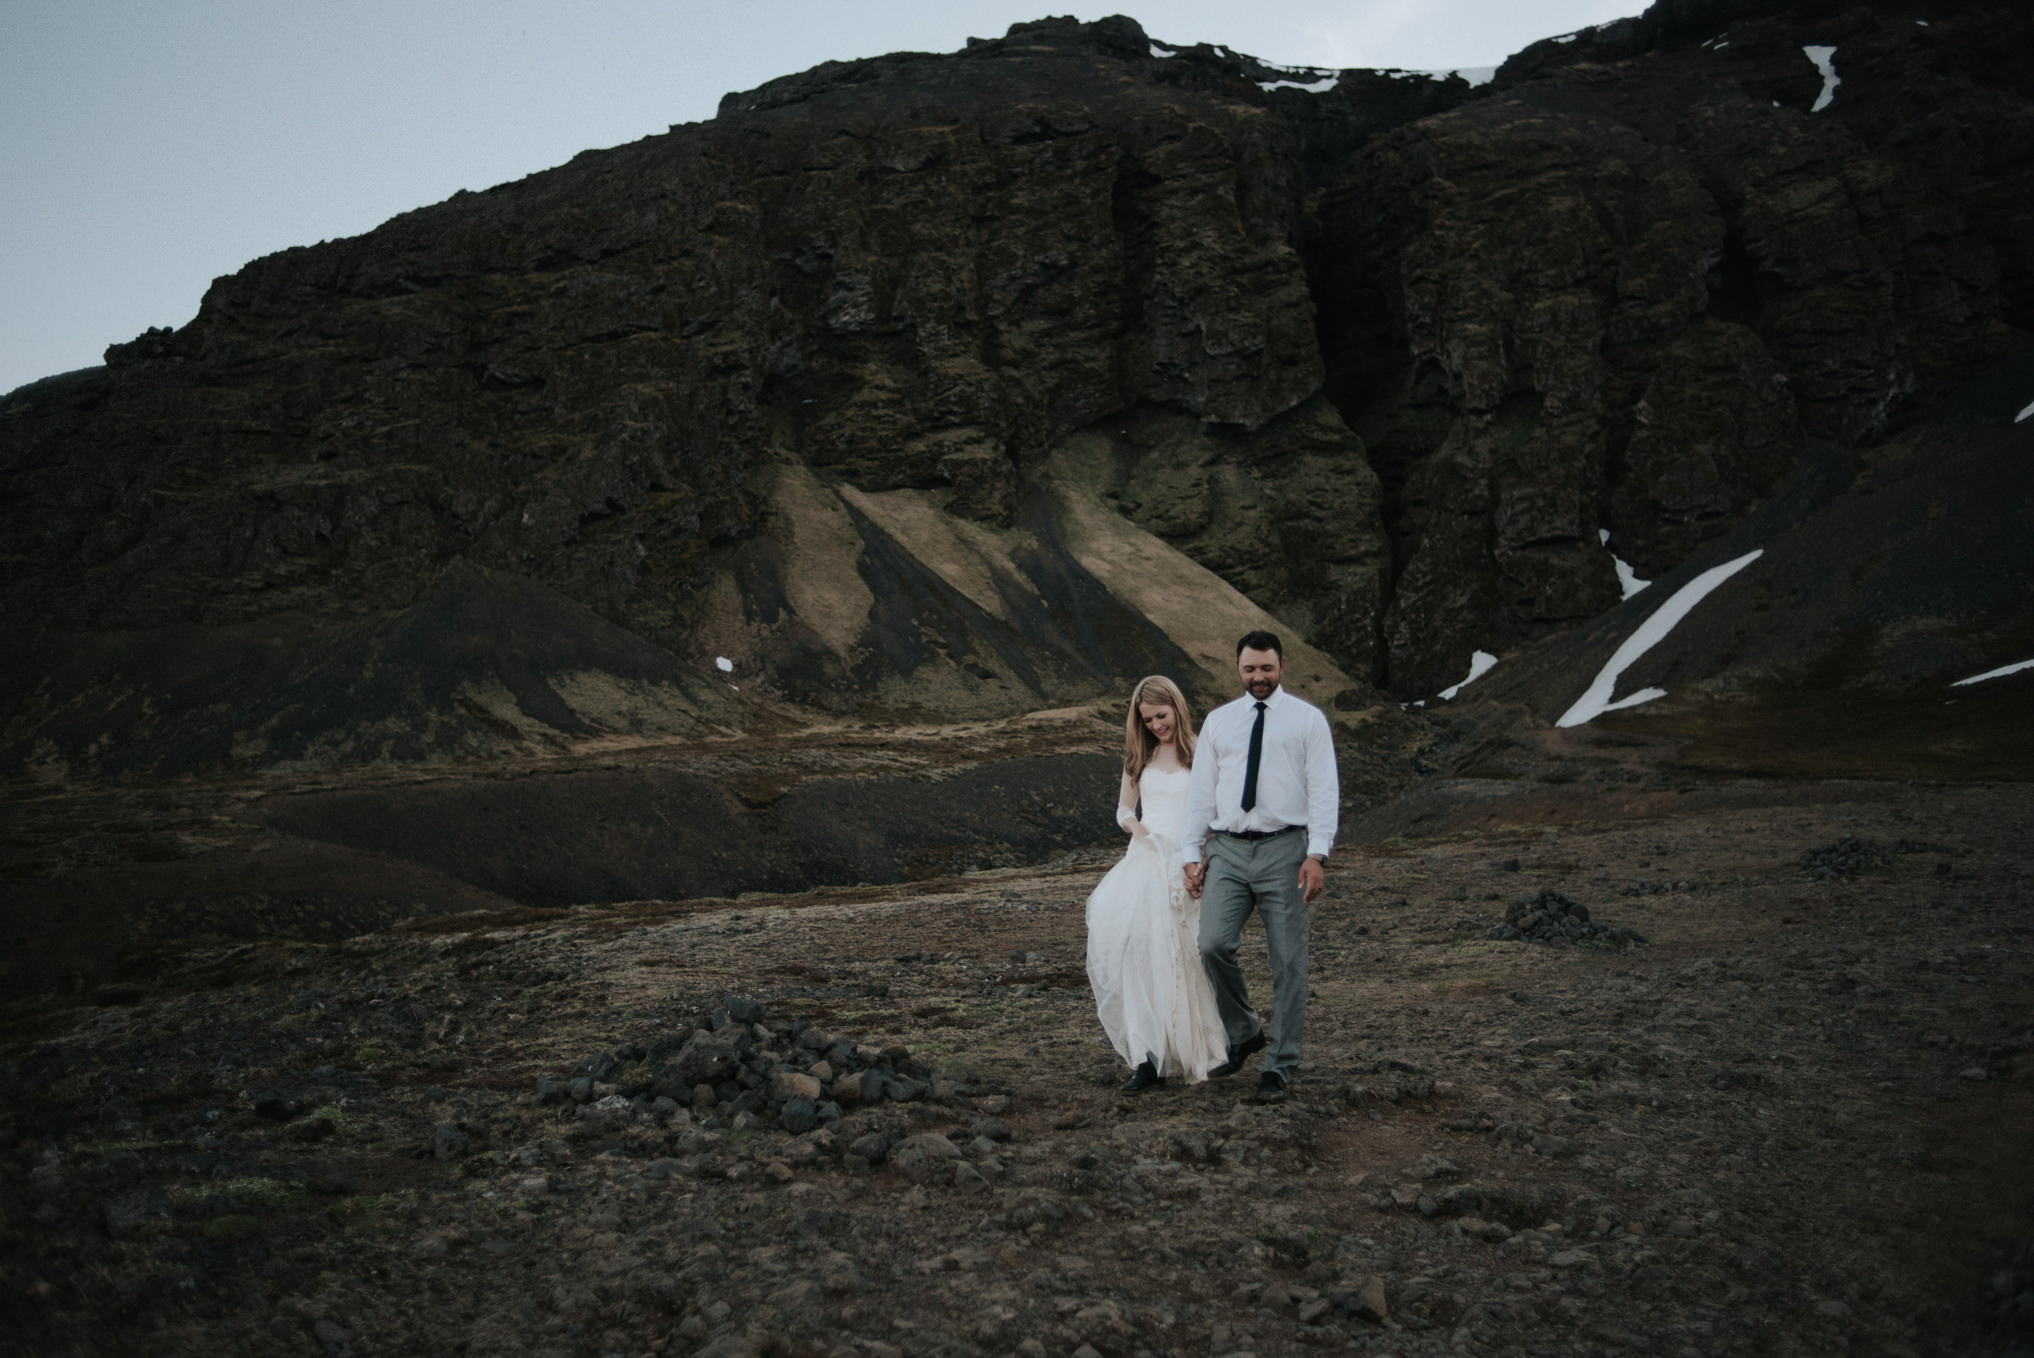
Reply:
x=1644, y=695
x=1597, y=700
x=1627, y=578
x=1922, y=22
x=1823, y=57
x=1999, y=673
x=1569, y=37
x=1158, y=51
x=2029, y=410
x=1479, y=665
x=723, y=664
x=1321, y=86
x=1717, y=43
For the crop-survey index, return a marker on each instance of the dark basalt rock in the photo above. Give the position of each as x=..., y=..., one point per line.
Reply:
x=1556, y=917
x=1624, y=290
x=740, y=1054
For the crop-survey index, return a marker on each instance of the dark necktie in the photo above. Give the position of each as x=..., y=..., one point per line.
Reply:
x=1256, y=758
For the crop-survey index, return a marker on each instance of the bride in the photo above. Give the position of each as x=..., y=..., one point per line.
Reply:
x=1144, y=958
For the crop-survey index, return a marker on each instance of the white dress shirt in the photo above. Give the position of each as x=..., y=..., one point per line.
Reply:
x=1296, y=779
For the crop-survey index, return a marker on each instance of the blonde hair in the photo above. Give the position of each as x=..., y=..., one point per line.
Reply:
x=1138, y=742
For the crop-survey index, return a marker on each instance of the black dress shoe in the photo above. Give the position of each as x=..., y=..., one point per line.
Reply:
x=1271, y=1087
x=1238, y=1054
x=1144, y=1077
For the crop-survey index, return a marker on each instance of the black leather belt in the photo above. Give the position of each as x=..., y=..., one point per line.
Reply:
x=1260, y=834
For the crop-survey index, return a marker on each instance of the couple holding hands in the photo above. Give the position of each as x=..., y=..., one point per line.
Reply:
x=1239, y=819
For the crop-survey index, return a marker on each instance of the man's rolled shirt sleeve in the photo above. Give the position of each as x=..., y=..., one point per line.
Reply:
x=1200, y=802
x=1324, y=788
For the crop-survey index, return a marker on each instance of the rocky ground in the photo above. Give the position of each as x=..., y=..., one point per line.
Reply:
x=1792, y=1120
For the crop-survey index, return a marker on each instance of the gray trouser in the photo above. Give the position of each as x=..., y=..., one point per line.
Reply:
x=1261, y=875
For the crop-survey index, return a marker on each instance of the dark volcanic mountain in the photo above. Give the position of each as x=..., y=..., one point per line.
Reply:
x=976, y=383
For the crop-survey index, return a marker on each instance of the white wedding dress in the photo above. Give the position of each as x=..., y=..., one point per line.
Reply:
x=1144, y=955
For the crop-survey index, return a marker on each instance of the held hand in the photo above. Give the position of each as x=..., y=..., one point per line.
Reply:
x=1313, y=878
x=1193, y=873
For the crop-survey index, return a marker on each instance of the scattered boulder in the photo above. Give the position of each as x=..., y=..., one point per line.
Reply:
x=449, y=1143
x=872, y=1147
x=918, y=1156
x=707, y=1058
x=798, y=1116
x=858, y=1087
x=791, y=1084
x=1367, y=1299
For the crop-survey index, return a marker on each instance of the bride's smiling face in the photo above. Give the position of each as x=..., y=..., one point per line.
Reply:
x=1159, y=720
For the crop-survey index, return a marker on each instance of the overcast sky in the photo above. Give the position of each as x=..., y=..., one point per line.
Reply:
x=147, y=146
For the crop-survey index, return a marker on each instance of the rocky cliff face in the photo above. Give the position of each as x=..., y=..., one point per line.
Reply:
x=974, y=383
x=1625, y=290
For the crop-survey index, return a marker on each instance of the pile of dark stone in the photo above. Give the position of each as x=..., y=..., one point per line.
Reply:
x=1646, y=886
x=736, y=1067
x=1853, y=857
x=1555, y=917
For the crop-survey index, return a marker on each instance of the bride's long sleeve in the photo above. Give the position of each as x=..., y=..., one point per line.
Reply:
x=1126, y=806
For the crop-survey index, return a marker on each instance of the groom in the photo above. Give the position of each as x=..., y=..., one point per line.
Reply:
x=1264, y=800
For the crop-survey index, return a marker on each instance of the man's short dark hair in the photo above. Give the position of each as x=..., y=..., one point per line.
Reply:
x=1259, y=641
